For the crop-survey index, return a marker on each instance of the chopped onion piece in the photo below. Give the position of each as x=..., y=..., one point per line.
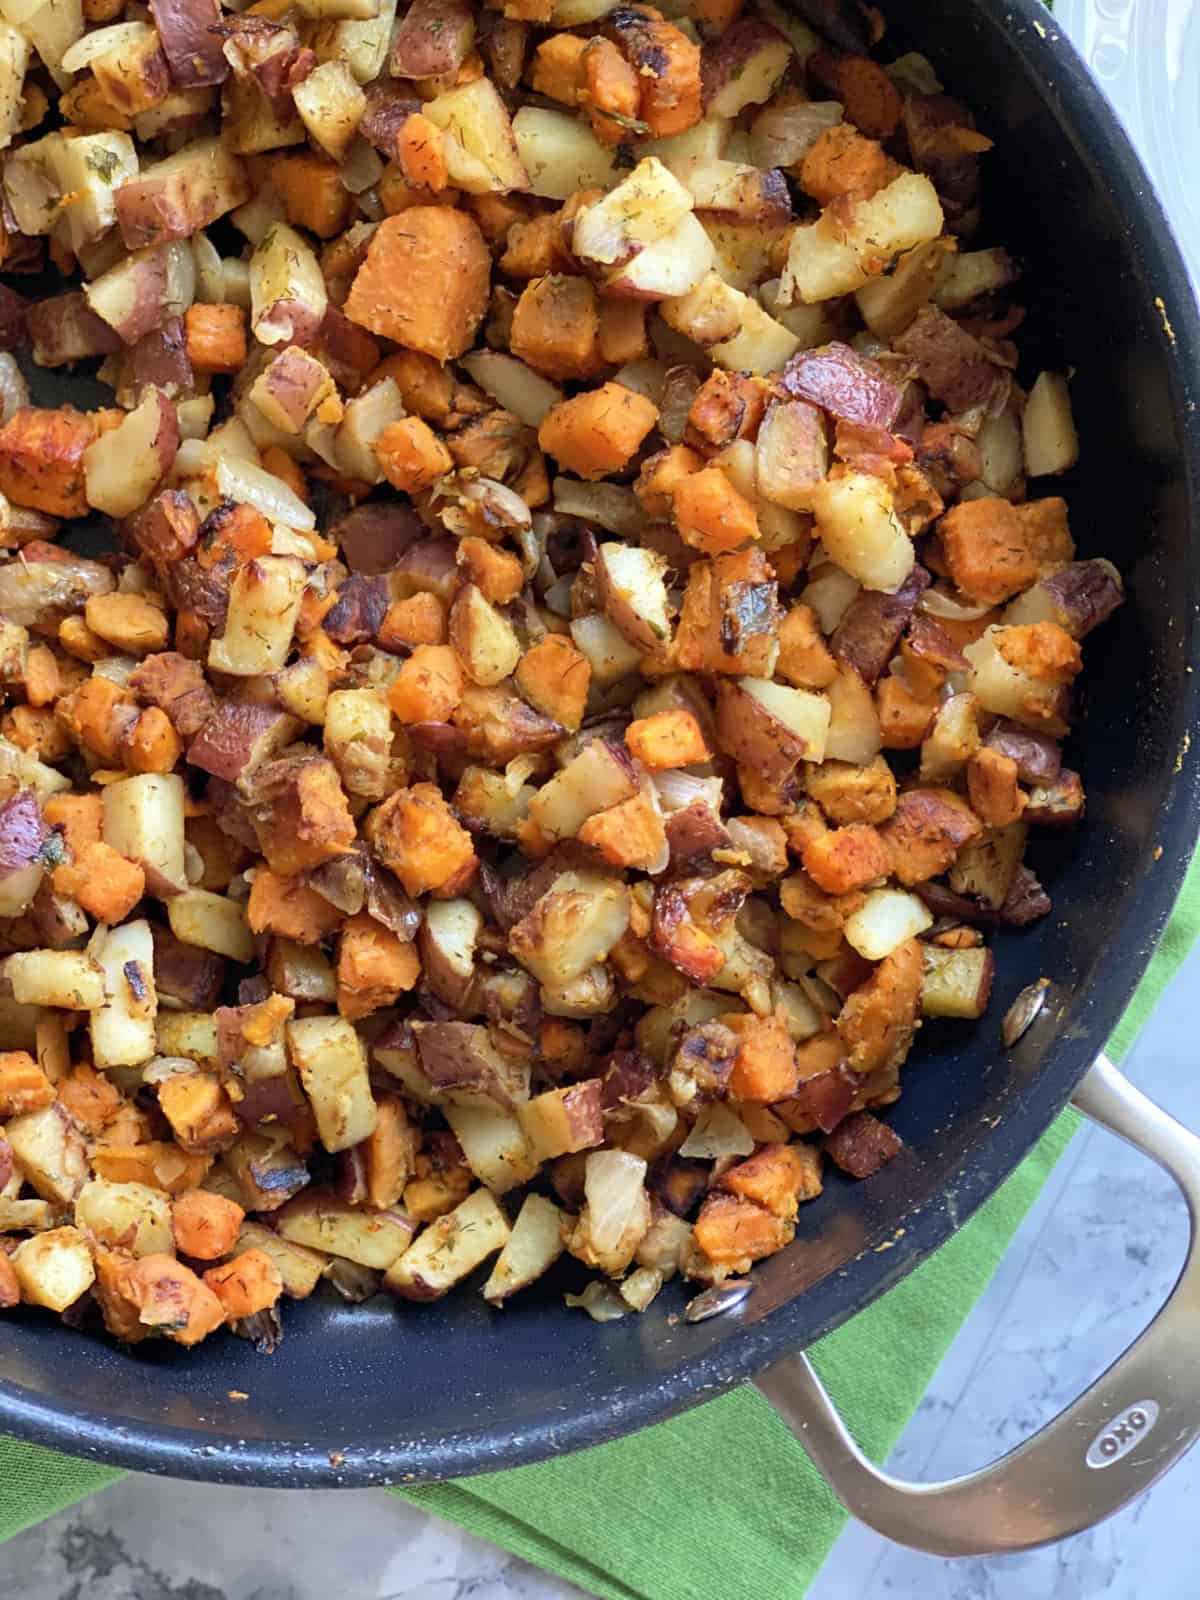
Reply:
x=614, y=1188
x=718, y=1132
x=936, y=603
x=241, y=480
x=600, y=1300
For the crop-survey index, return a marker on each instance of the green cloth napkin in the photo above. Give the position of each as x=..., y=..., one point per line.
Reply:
x=721, y=1499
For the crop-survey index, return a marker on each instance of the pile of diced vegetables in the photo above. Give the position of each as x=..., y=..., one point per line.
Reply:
x=581, y=650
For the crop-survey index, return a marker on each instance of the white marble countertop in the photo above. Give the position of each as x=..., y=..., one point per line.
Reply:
x=1093, y=1260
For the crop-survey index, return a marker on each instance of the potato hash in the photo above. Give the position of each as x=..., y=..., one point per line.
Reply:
x=573, y=645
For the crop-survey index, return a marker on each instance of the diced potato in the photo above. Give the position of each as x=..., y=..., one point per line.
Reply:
x=14, y=59
x=264, y=603
x=288, y=298
x=212, y=922
x=734, y=329
x=645, y=207
x=562, y=1121
x=358, y=740
x=485, y=641
x=609, y=652
x=70, y=979
x=49, y=1153
x=886, y=919
x=188, y=1034
x=533, y=1246
x=331, y=105
x=633, y=592
x=54, y=1269
x=860, y=530
x=299, y=1265
x=318, y=1220
x=601, y=775
x=827, y=259
x=123, y=1032
x=481, y=151
x=448, y=1249
x=494, y=1145
x=560, y=153
x=361, y=44
x=127, y=1216
x=958, y=983
x=1048, y=427
x=332, y=1063
x=572, y=927
x=144, y=821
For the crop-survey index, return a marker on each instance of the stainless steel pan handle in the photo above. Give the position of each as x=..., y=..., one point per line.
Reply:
x=1096, y=1456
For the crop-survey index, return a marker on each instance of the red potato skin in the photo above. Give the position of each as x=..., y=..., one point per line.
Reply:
x=160, y=358
x=845, y=384
x=747, y=732
x=1058, y=803
x=953, y=365
x=862, y=1144
x=434, y=38
x=827, y=1098
x=187, y=30
x=64, y=329
x=1084, y=594
x=152, y=209
x=14, y=312
x=729, y=56
x=226, y=744
x=372, y=538
x=389, y=106
x=868, y=634
x=294, y=384
x=1038, y=758
x=165, y=444
x=185, y=971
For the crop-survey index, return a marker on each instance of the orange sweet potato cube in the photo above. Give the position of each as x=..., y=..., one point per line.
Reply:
x=596, y=433
x=23, y=1084
x=667, y=739
x=844, y=859
x=205, y=1225
x=764, y=1068
x=170, y=1299
x=554, y=677
x=428, y=686
x=734, y=1232
x=251, y=1282
x=711, y=514
x=777, y=1177
x=417, y=836
x=425, y=281
x=41, y=459
x=986, y=549
x=374, y=967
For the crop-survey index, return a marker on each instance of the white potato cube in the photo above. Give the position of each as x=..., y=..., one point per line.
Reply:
x=332, y=1063
x=212, y=922
x=448, y=1249
x=127, y=1216
x=884, y=921
x=68, y=979
x=54, y=1269
x=143, y=820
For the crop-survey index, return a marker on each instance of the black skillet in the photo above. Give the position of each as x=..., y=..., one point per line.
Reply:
x=385, y=1393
